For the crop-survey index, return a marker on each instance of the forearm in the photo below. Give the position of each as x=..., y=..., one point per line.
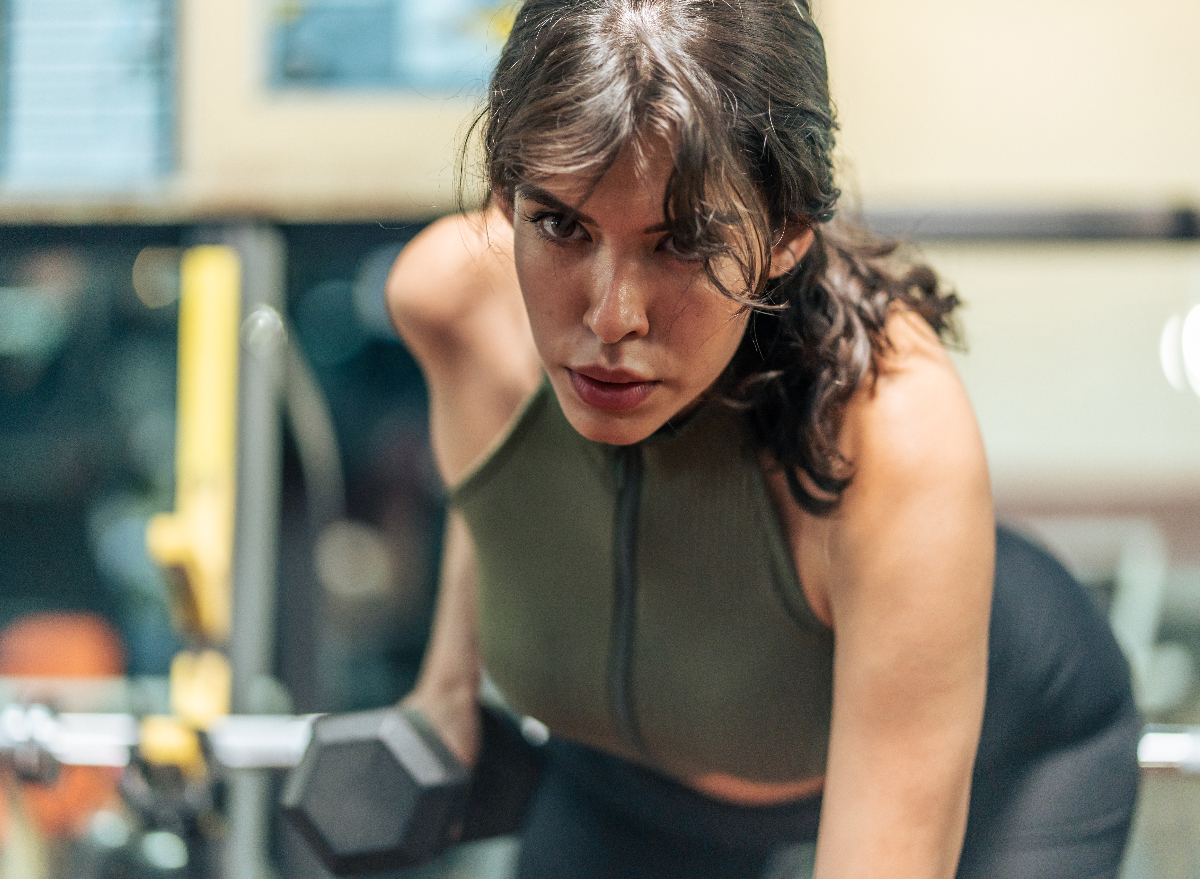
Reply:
x=448, y=685
x=905, y=819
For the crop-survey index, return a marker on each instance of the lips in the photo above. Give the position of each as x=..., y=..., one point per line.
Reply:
x=613, y=390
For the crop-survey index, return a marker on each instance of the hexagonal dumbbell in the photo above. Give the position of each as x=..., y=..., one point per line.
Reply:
x=378, y=790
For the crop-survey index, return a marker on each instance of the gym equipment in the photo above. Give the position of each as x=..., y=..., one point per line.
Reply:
x=378, y=790
x=1171, y=748
x=223, y=531
x=334, y=797
x=197, y=539
x=35, y=741
x=34, y=736
x=372, y=791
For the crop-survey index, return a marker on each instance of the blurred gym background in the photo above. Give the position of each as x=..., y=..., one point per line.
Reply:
x=1043, y=155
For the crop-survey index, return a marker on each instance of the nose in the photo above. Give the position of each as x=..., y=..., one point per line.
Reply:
x=618, y=310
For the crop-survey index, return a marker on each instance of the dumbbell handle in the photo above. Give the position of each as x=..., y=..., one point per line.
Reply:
x=246, y=741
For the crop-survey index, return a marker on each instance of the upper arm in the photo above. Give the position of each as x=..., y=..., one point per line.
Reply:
x=446, y=272
x=455, y=301
x=448, y=685
x=911, y=557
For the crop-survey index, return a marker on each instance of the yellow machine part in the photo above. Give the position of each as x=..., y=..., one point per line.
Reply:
x=196, y=540
x=168, y=741
x=200, y=691
x=200, y=687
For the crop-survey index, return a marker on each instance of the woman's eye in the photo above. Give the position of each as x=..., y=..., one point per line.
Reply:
x=557, y=227
x=671, y=247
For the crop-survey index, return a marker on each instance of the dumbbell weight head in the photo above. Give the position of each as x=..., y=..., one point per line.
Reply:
x=376, y=790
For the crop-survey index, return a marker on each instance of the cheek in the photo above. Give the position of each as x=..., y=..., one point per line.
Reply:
x=707, y=323
x=726, y=336
x=532, y=275
x=547, y=301
x=524, y=262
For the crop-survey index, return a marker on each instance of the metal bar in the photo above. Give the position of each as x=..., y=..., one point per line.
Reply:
x=1170, y=747
x=252, y=641
x=140, y=695
x=236, y=742
x=275, y=741
x=981, y=224
x=260, y=441
x=316, y=440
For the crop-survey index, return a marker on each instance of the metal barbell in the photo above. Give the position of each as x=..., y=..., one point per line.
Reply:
x=31, y=735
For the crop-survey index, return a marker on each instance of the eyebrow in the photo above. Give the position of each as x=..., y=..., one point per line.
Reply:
x=542, y=197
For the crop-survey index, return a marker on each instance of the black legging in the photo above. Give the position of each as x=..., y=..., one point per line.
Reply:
x=1052, y=795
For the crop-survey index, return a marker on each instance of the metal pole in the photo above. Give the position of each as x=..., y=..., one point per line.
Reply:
x=252, y=640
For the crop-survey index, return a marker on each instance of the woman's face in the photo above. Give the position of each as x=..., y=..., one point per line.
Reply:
x=630, y=330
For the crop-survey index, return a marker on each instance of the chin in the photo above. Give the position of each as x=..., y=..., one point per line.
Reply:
x=610, y=434
x=611, y=428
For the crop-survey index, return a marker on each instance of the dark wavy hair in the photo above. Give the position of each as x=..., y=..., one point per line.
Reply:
x=740, y=90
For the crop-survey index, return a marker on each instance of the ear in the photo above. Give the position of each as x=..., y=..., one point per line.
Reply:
x=795, y=241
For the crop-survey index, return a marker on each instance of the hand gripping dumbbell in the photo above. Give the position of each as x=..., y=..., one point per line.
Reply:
x=379, y=790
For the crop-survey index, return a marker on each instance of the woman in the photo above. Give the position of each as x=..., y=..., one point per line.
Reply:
x=721, y=514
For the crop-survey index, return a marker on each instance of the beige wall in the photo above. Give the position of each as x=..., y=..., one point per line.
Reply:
x=1063, y=368
x=1050, y=102
x=309, y=154
x=1028, y=102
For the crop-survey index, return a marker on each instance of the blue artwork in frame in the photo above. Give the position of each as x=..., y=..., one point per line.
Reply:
x=447, y=47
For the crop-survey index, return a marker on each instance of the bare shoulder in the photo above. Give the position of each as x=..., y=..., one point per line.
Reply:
x=920, y=498
x=454, y=298
x=914, y=423
x=456, y=266
x=920, y=487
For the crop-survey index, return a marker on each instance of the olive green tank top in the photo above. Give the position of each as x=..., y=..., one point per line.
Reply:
x=641, y=599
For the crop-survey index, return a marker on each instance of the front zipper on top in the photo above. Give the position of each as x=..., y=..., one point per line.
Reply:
x=620, y=662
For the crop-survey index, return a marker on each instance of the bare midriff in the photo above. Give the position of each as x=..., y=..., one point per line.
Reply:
x=738, y=791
